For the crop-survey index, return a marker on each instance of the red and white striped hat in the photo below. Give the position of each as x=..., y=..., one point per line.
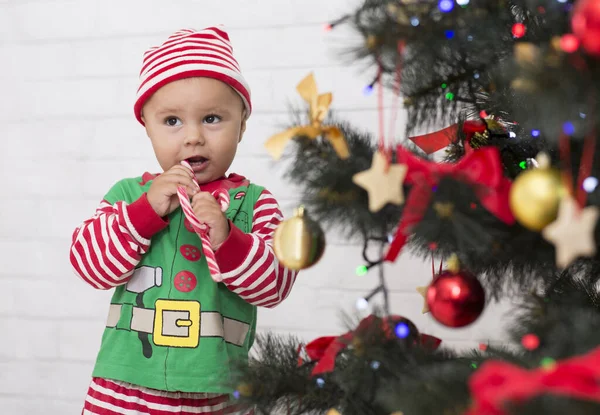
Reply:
x=189, y=53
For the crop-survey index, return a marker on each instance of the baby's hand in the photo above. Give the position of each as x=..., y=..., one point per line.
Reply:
x=208, y=211
x=162, y=194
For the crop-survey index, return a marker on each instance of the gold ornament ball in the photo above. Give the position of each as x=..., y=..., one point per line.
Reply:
x=535, y=196
x=299, y=242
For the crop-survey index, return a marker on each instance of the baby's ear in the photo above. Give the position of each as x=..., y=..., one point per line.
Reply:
x=243, y=127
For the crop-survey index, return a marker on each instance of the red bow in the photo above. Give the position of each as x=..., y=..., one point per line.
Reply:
x=324, y=350
x=496, y=383
x=482, y=168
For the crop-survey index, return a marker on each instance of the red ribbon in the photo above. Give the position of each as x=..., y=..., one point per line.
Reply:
x=481, y=168
x=324, y=350
x=497, y=383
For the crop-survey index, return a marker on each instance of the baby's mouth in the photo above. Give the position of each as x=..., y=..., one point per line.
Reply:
x=198, y=163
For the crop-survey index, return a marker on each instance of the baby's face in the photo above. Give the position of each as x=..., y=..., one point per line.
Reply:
x=200, y=120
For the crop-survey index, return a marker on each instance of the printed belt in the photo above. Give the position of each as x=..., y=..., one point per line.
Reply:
x=177, y=323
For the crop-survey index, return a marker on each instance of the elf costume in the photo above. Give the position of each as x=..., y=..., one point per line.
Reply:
x=172, y=332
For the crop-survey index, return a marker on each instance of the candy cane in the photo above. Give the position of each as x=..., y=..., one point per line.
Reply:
x=201, y=229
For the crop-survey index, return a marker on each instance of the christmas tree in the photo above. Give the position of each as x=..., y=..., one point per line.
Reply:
x=508, y=89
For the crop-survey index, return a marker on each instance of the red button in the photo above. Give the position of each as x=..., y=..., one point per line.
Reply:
x=190, y=252
x=188, y=225
x=185, y=281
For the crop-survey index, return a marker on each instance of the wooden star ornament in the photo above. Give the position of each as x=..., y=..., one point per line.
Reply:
x=383, y=186
x=423, y=292
x=572, y=233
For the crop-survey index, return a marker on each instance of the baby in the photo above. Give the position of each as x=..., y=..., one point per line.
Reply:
x=183, y=312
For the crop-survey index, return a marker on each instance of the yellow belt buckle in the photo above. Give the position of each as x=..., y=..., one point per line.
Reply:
x=177, y=323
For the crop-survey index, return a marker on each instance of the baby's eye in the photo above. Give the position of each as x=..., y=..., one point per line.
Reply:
x=212, y=119
x=172, y=121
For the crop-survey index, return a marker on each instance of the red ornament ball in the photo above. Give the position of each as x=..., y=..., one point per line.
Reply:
x=586, y=25
x=455, y=299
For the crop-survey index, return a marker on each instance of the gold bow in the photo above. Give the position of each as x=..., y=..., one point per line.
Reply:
x=319, y=106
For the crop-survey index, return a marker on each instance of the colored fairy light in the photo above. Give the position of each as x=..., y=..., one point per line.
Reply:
x=470, y=38
x=483, y=114
x=362, y=270
x=462, y=3
x=449, y=96
x=569, y=43
x=548, y=363
x=530, y=341
x=474, y=365
x=512, y=134
x=483, y=347
x=535, y=133
x=449, y=34
x=236, y=394
x=320, y=382
x=568, y=128
x=414, y=21
x=402, y=330
x=362, y=304
x=562, y=1
x=581, y=115
x=375, y=365
x=327, y=27
x=444, y=85
x=518, y=30
x=476, y=75
x=590, y=184
x=368, y=90
x=445, y=6
x=523, y=165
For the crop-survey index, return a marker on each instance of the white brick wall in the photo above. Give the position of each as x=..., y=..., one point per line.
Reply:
x=68, y=77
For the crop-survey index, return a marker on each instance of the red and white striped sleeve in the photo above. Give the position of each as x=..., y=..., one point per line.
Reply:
x=248, y=264
x=106, y=248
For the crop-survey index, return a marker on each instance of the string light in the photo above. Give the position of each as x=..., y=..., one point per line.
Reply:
x=236, y=394
x=402, y=330
x=329, y=26
x=446, y=6
x=530, y=341
x=368, y=90
x=581, y=115
x=483, y=114
x=462, y=3
x=568, y=128
x=523, y=165
x=414, y=21
x=476, y=75
x=535, y=133
x=518, y=30
x=590, y=184
x=569, y=43
x=449, y=34
x=483, y=347
x=362, y=270
x=375, y=365
x=548, y=363
x=512, y=134
x=449, y=96
x=320, y=382
x=363, y=303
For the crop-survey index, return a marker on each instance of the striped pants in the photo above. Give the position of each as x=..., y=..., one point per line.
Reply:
x=109, y=397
